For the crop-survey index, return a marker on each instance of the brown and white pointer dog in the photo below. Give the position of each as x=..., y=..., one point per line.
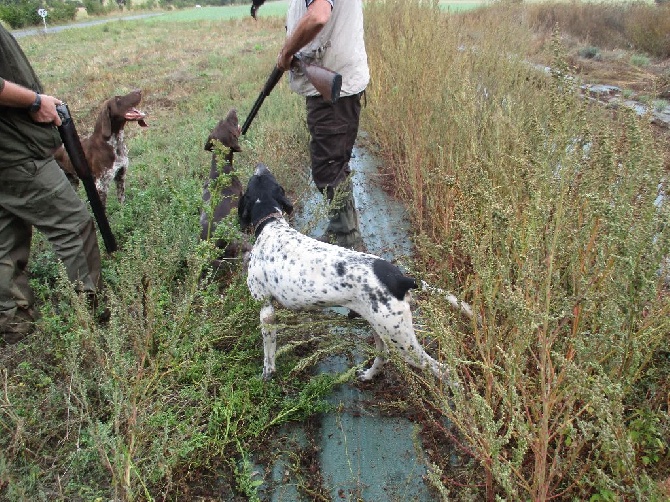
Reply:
x=105, y=149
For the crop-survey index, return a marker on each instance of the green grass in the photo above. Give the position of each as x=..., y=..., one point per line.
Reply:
x=536, y=208
x=274, y=8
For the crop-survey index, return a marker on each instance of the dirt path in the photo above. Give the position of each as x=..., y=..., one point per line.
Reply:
x=54, y=29
x=355, y=452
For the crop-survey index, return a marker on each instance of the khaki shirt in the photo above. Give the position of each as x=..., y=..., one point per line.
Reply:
x=21, y=139
x=339, y=46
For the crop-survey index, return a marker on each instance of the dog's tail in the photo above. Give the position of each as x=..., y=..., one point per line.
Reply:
x=458, y=305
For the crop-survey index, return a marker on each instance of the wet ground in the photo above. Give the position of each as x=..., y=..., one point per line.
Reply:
x=356, y=452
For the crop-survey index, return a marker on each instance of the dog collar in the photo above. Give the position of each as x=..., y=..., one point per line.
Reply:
x=261, y=223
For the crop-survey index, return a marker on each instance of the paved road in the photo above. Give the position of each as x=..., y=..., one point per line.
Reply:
x=53, y=29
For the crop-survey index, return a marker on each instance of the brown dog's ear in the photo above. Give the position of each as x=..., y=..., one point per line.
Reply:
x=232, y=131
x=105, y=120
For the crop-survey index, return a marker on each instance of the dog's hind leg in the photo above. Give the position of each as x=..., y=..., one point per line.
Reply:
x=269, y=332
x=380, y=360
x=415, y=355
x=397, y=330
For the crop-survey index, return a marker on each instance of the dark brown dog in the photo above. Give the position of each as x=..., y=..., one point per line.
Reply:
x=227, y=131
x=105, y=149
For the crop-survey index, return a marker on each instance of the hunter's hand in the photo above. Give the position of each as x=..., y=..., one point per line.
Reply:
x=47, y=112
x=284, y=60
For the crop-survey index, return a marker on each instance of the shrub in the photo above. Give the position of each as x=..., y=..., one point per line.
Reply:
x=61, y=12
x=647, y=27
x=540, y=209
x=639, y=60
x=589, y=52
x=21, y=14
x=95, y=8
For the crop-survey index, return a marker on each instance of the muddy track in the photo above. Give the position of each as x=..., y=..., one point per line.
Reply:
x=360, y=450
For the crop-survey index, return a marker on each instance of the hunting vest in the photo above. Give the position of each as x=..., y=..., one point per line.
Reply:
x=339, y=46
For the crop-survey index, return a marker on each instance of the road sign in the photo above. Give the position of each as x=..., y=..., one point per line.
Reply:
x=43, y=14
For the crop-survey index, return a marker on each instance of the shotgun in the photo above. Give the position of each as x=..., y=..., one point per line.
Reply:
x=327, y=83
x=68, y=134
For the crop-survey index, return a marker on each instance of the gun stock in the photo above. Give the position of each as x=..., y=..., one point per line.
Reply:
x=327, y=83
x=68, y=134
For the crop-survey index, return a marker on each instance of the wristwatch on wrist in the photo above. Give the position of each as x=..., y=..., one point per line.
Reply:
x=37, y=104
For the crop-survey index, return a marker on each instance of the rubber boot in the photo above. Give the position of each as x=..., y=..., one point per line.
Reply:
x=343, y=227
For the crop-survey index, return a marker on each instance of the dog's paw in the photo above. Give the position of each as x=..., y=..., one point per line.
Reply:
x=365, y=375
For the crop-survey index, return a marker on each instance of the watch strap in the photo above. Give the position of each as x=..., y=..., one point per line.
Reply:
x=37, y=104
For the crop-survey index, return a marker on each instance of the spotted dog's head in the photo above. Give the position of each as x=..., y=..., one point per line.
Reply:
x=263, y=196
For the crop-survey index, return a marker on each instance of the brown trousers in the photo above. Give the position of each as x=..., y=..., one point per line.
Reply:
x=37, y=194
x=333, y=129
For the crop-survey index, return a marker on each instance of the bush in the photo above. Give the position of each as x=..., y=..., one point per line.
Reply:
x=95, y=8
x=61, y=12
x=540, y=209
x=21, y=14
x=648, y=29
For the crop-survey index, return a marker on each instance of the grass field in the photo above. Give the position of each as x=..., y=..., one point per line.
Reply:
x=535, y=205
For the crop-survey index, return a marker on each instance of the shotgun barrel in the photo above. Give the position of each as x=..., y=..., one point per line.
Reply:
x=68, y=134
x=327, y=83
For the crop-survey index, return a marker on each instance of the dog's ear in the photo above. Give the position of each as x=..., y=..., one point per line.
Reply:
x=243, y=212
x=287, y=207
x=106, y=121
x=232, y=131
x=285, y=204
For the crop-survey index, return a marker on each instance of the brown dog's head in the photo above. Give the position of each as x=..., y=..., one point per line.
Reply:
x=117, y=111
x=227, y=131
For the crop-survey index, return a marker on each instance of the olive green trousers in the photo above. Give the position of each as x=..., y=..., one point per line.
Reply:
x=37, y=194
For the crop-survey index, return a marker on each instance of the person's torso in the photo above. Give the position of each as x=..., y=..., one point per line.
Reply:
x=339, y=46
x=21, y=139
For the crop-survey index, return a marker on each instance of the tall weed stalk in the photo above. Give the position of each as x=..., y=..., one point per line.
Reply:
x=540, y=210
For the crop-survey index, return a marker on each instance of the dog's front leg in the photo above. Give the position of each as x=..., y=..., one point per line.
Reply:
x=269, y=331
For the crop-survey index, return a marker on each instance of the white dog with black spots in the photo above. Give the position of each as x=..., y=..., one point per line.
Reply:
x=302, y=273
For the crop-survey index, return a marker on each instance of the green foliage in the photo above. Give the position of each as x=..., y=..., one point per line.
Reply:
x=541, y=211
x=21, y=14
x=646, y=434
x=60, y=12
x=95, y=7
x=18, y=15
